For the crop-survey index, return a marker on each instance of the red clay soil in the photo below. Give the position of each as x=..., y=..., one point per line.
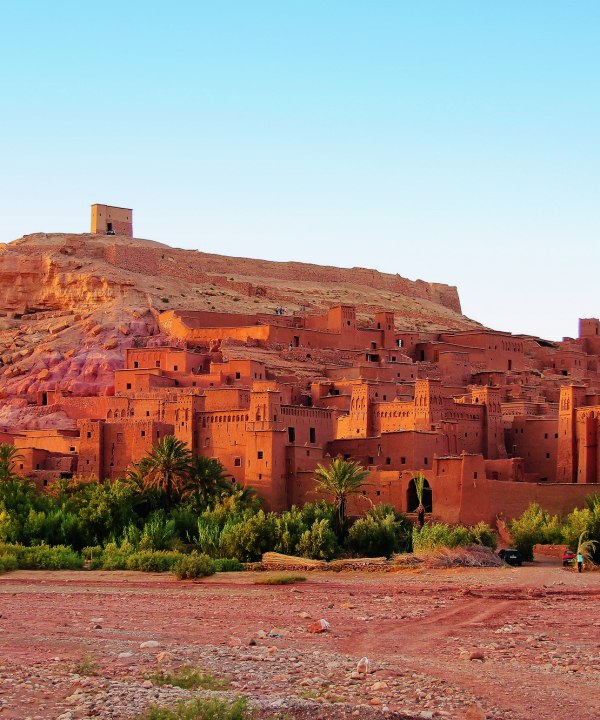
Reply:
x=498, y=643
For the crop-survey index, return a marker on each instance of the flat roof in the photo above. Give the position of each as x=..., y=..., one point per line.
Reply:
x=116, y=207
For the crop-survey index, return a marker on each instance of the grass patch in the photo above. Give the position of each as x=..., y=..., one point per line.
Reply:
x=200, y=710
x=189, y=678
x=280, y=580
x=86, y=666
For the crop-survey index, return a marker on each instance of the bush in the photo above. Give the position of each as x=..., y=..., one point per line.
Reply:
x=158, y=533
x=200, y=710
x=318, y=543
x=153, y=561
x=439, y=535
x=280, y=580
x=44, y=557
x=228, y=565
x=535, y=526
x=249, y=538
x=194, y=566
x=381, y=532
x=189, y=678
x=8, y=563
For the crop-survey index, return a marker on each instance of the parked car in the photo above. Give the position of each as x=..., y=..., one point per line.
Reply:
x=511, y=556
x=568, y=557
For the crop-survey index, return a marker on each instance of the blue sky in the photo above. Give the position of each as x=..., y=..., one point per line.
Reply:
x=450, y=141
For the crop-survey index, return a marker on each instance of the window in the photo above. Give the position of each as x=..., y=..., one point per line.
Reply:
x=129, y=386
x=426, y=461
x=238, y=375
x=237, y=462
x=175, y=368
x=136, y=364
x=158, y=363
x=474, y=476
x=312, y=433
x=89, y=434
x=378, y=492
x=291, y=434
x=370, y=460
x=403, y=461
x=71, y=449
x=388, y=461
x=547, y=456
x=260, y=476
x=545, y=436
x=260, y=454
x=143, y=433
x=147, y=413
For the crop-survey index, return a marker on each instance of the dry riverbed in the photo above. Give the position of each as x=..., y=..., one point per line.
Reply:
x=502, y=643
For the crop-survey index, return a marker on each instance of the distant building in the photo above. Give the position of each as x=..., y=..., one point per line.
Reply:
x=108, y=220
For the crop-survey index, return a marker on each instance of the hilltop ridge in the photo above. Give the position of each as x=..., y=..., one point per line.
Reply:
x=71, y=303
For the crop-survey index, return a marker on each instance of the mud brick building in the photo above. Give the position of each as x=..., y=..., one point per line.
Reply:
x=494, y=421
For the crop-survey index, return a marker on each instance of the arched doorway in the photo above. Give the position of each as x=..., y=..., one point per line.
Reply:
x=412, y=501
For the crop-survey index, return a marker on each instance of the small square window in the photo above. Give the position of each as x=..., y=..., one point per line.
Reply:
x=129, y=386
x=143, y=433
x=260, y=454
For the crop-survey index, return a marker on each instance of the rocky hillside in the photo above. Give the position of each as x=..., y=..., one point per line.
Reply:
x=70, y=304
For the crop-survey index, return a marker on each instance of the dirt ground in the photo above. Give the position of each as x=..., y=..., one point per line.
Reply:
x=510, y=643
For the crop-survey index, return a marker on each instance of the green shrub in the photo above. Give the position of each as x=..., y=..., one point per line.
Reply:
x=482, y=534
x=153, y=560
x=44, y=557
x=228, y=565
x=535, y=526
x=439, y=535
x=381, y=532
x=208, y=536
x=8, y=563
x=280, y=580
x=200, y=710
x=158, y=533
x=249, y=538
x=318, y=543
x=189, y=678
x=289, y=527
x=193, y=566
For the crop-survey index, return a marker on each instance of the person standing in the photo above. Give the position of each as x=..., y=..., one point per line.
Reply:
x=579, y=562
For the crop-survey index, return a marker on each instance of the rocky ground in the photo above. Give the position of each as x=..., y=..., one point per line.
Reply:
x=502, y=643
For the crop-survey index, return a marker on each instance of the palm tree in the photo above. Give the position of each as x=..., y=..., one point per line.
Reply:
x=167, y=467
x=585, y=548
x=342, y=479
x=9, y=455
x=419, y=482
x=207, y=481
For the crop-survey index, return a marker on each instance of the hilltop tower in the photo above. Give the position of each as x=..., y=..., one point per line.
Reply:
x=108, y=220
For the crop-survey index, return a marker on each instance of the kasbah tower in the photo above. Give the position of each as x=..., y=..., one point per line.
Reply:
x=494, y=421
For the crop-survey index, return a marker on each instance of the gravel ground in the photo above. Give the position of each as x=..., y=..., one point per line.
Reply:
x=508, y=644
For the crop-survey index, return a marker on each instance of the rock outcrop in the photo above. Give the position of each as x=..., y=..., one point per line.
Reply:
x=71, y=304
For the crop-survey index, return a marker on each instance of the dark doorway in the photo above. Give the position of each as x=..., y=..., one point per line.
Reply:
x=44, y=398
x=412, y=501
x=291, y=434
x=296, y=341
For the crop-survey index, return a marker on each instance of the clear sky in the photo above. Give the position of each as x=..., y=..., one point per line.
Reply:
x=446, y=140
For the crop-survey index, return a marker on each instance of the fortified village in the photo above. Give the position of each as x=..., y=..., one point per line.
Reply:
x=493, y=420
